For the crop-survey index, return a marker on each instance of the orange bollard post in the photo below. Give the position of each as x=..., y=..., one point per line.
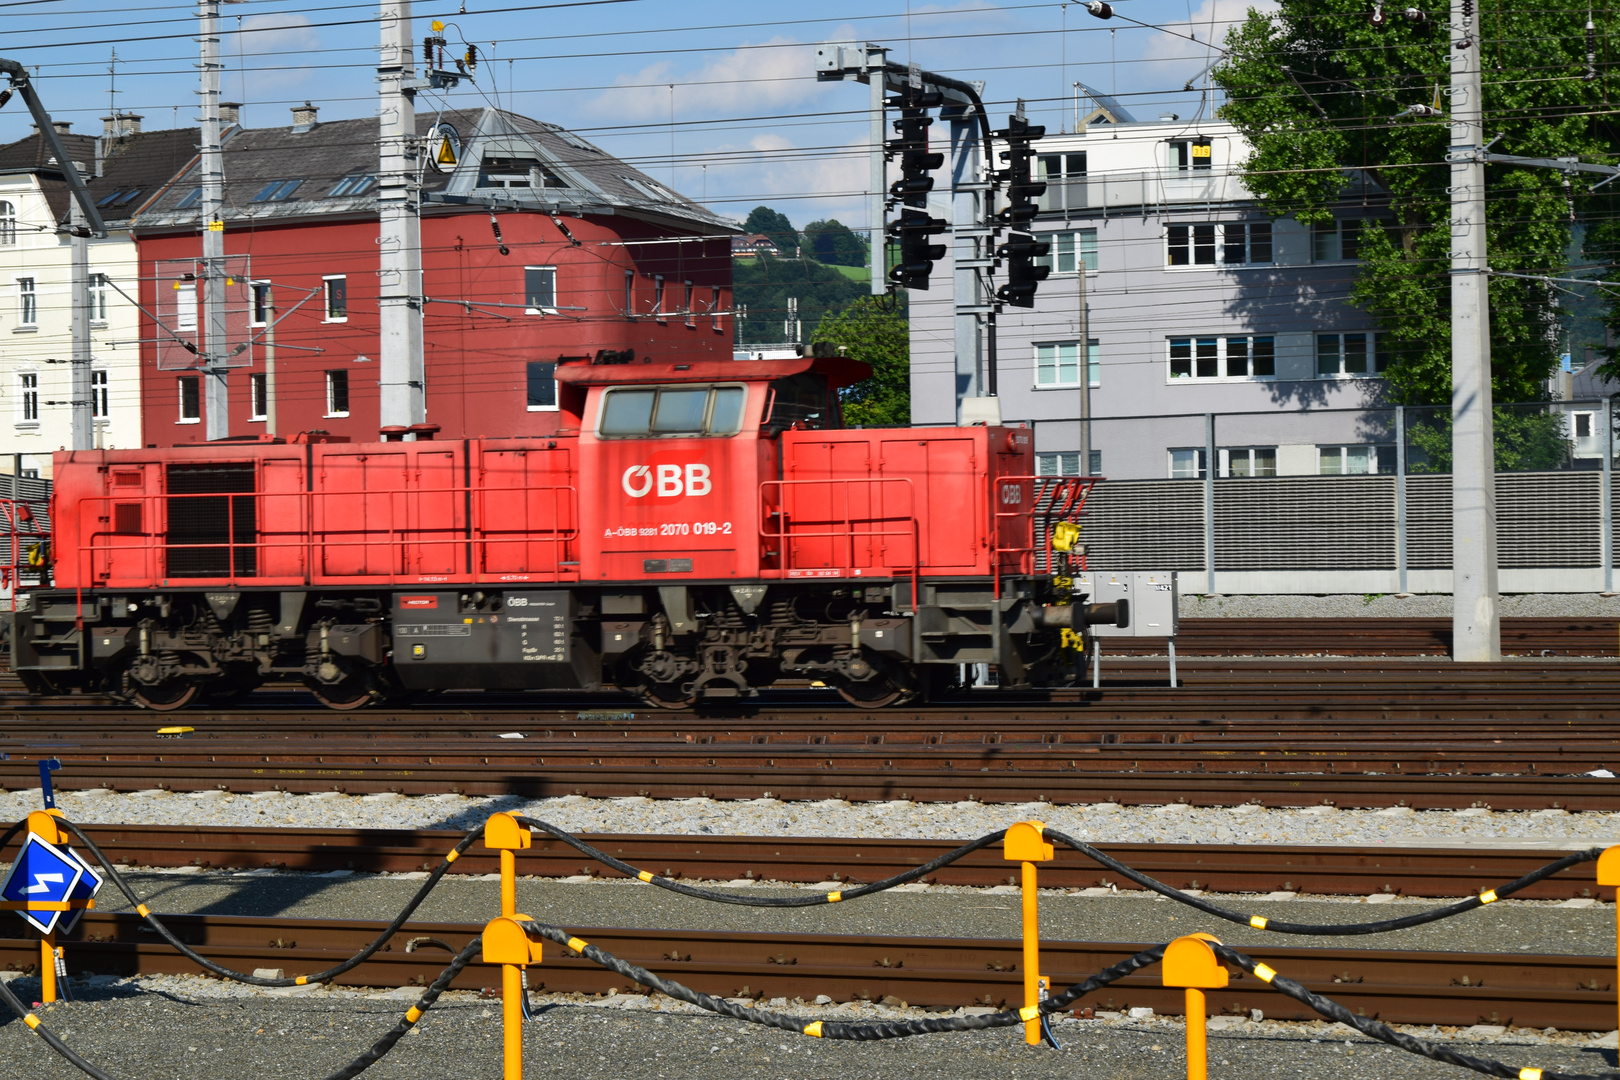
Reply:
x=1024, y=844
x=1190, y=963
x=502, y=833
x=43, y=822
x=1608, y=873
x=507, y=943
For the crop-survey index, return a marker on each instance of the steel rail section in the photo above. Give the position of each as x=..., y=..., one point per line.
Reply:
x=1568, y=992
x=1321, y=870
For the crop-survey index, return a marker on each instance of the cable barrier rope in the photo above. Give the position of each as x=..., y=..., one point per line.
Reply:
x=832, y=1029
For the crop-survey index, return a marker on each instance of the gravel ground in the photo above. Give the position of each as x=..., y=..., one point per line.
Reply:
x=1386, y=606
x=170, y=1026
x=926, y=911
x=1102, y=823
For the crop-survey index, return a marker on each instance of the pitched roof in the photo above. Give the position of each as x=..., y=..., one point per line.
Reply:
x=33, y=155
x=135, y=167
x=285, y=173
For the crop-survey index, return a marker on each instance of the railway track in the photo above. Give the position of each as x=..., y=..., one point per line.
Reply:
x=1321, y=870
x=1569, y=992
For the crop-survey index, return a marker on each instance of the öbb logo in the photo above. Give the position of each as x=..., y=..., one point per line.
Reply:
x=671, y=481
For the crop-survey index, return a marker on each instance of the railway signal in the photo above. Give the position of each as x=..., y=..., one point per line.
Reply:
x=915, y=226
x=1021, y=249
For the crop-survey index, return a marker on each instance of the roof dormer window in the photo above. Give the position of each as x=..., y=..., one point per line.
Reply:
x=353, y=185
x=517, y=172
x=277, y=191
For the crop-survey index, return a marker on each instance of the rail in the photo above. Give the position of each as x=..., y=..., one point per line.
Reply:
x=513, y=941
x=787, y=531
x=246, y=558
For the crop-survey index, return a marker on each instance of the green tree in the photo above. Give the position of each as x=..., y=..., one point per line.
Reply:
x=1314, y=87
x=762, y=219
x=761, y=287
x=834, y=243
x=874, y=329
x=1526, y=440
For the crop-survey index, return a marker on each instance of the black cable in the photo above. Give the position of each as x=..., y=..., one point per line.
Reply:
x=825, y=1029
x=253, y=980
x=1383, y=1032
x=376, y=1050
x=760, y=901
x=1260, y=922
x=50, y=1037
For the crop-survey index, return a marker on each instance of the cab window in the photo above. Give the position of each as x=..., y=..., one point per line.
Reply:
x=662, y=412
x=800, y=401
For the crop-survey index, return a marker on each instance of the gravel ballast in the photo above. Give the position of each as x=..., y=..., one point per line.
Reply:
x=1100, y=823
x=1384, y=605
x=169, y=1026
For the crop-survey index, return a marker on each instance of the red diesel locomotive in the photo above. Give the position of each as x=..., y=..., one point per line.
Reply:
x=695, y=530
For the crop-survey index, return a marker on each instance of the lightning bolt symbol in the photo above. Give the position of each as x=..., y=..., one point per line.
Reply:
x=41, y=883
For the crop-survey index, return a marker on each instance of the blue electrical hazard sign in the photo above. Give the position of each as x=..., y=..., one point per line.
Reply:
x=45, y=873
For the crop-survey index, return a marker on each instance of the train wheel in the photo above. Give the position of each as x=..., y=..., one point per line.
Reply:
x=666, y=696
x=167, y=696
x=354, y=692
x=875, y=693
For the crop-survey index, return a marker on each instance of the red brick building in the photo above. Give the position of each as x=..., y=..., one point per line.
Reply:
x=598, y=256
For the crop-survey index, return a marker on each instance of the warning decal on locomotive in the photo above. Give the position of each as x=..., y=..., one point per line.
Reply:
x=419, y=601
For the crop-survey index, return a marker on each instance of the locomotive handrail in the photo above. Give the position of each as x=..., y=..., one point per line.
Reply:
x=11, y=572
x=849, y=531
x=1067, y=496
x=100, y=539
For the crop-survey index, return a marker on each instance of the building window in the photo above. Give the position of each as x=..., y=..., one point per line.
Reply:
x=28, y=398
x=1064, y=176
x=98, y=394
x=8, y=224
x=27, y=302
x=193, y=197
x=1336, y=241
x=658, y=296
x=714, y=304
x=98, y=297
x=337, y=299
x=1248, y=460
x=539, y=289
x=258, y=396
x=337, y=393
x=686, y=306
x=277, y=191
x=1058, y=364
x=353, y=185
x=1190, y=154
x=190, y=399
x=1066, y=463
x=629, y=294
x=1226, y=243
x=1355, y=460
x=1066, y=250
x=263, y=303
x=542, y=380
x=1582, y=424
x=1186, y=463
x=1223, y=358
x=1346, y=356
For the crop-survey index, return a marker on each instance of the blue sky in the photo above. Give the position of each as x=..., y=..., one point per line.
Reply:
x=751, y=124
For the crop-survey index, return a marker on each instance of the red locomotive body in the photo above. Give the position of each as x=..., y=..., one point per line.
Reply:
x=693, y=530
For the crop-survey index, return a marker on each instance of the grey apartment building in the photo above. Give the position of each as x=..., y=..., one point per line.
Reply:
x=1177, y=297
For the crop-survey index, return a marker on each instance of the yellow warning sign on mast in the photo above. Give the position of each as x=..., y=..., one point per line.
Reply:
x=446, y=147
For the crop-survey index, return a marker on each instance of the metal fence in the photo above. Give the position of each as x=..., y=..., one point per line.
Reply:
x=1341, y=500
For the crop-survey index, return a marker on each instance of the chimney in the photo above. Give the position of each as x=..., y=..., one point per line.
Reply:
x=230, y=112
x=304, y=117
x=61, y=126
x=119, y=124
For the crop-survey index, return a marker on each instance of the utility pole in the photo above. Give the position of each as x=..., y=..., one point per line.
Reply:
x=214, y=372
x=399, y=237
x=83, y=423
x=1476, y=627
x=879, y=248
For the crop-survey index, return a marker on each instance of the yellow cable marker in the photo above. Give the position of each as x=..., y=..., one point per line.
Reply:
x=577, y=944
x=834, y=897
x=1529, y=1074
x=452, y=857
x=1029, y=1012
x=1265, y=972
x=1489, y=897
x=814, y=1029
x=412, y=1015
x=1258, y=921
x=645, y=875
x=301, y=980
x=31, y=1020
x=143, y=909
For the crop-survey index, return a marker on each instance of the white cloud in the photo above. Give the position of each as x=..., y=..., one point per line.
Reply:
x=285, y=34
x=1210, y=22
x=756, y=79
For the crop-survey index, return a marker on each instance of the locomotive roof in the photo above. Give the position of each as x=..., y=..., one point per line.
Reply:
x=840, y=371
